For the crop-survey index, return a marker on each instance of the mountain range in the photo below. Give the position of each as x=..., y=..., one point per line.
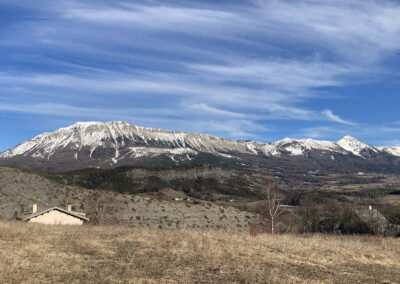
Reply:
x=117, y=143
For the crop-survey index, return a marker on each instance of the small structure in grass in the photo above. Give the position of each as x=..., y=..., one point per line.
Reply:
x=55, y=216
x=376, y=222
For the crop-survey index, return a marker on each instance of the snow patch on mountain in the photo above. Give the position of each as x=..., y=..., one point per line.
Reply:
x=269, y=149
x=251, y=147
x=226, y=155
x=354, y=145
x=295, y=150
x=152, y=152
x=395, y=151
x=311, y=144
x=299, y=147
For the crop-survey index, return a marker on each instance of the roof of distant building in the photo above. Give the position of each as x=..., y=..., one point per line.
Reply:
x=71, y=213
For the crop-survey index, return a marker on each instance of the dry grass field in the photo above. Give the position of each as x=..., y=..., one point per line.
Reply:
x=110, y=254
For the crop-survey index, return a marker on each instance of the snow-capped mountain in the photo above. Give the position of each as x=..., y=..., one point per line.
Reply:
x=395, y=151
x=300, y=147
x=355, y=146
x=90, y=137
x=99, y=144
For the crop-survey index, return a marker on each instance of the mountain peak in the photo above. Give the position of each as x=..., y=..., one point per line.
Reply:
x=354, y=145
x=349, y=138
x=85, y=124
x=286, y=140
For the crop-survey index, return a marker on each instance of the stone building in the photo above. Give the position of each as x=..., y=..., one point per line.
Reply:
x=377, y=223
x=55, y=216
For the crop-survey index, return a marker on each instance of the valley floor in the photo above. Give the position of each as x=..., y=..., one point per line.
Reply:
x=110, y=254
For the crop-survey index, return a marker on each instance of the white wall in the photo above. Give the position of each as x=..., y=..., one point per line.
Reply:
x=56, y=217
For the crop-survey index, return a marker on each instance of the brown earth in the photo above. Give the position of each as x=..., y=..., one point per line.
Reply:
x=112, y=254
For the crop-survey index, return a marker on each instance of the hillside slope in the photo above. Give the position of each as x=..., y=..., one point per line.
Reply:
x=201, y=182
x=19, y=189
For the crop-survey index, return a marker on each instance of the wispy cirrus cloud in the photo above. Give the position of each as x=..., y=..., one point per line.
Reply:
x=333, y=117
x=230, y=70
x=207, y=100
x=339, y=26
x=234, y=124
x=168, y=17
x=358, y=30
x=281, y=74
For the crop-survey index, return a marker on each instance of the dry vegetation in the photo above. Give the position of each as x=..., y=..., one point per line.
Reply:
x=19, y=189
x=100, y=254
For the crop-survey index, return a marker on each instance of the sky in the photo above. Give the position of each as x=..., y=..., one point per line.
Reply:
x=258, y=70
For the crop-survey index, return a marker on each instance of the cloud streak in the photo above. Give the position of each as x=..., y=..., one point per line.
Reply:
x=168, y=17
x=224, y=69
x=333, y=117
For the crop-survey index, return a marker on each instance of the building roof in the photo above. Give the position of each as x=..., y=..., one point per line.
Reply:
x=71, y=213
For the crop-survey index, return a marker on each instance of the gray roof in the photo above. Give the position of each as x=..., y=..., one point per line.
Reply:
x=71, y=213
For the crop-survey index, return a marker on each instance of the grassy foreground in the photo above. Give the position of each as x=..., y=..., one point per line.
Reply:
x=100, y=254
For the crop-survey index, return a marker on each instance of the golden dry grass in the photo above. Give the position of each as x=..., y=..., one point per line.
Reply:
x=98, y=254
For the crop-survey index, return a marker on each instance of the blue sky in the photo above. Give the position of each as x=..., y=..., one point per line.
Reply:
x=260, y=70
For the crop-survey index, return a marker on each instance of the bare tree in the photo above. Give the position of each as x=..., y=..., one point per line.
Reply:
x=269, y=210
x=104, y=206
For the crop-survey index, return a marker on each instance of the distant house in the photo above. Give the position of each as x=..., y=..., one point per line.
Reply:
x=373, y=219
x=55, y=216
x=376, y=222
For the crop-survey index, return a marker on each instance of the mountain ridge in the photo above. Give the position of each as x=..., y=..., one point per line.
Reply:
x=108, y=144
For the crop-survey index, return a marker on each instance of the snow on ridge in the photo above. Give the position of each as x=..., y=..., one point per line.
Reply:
x=354, y=145
x=395, y=151
x=151, y=151
x=226, y=155
x=284, y=141
x=106, y=134
x=295, y=150
x=270, y=150
x=251, y=147
x=297, y=147
x=24, y=147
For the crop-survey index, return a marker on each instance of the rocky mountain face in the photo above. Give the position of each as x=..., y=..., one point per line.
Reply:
x=117, y=143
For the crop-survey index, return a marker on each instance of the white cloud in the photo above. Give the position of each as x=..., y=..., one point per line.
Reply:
x=201, y=62
x=284, y=74
x=321, y=131
x=232, y=126
x=207, y=109
x=213, y=98
x=356, y=29
x=333, y=117
x=155, y=16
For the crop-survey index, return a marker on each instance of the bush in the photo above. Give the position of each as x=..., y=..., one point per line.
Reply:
x=331, y=218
